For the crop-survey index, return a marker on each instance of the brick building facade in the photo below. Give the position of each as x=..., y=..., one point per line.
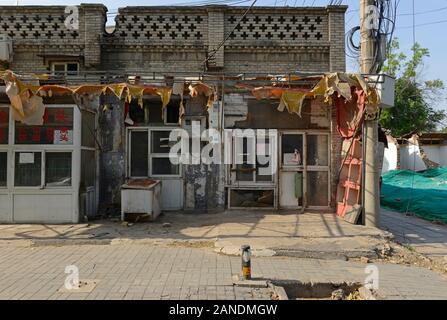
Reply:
x=177, y=43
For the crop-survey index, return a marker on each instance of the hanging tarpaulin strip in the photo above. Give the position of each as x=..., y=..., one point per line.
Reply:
x=292, y=101
x=330, y=85
x=27, y=105
x=350, y=114
x=205, y=90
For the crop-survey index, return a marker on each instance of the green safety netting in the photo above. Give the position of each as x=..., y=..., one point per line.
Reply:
x=421, y=193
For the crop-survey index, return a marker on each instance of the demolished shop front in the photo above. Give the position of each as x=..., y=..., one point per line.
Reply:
x=305, y=148
x=299, y=148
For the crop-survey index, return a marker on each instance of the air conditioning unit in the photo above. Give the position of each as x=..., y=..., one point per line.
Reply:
x=385, y=86
x=5, y=48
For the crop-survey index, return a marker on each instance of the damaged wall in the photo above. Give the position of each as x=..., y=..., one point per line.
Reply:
x=203, y=184
x=111, y=131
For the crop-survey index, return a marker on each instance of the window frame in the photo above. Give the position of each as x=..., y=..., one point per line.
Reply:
x=233, y=165
x=151, y=155
x=6, y=151
x=12, y=124
x=12, y=148
x=43, y=178
x=65, y=64
x=305, y=168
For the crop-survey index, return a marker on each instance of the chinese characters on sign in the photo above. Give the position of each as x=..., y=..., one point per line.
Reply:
x=57, y=128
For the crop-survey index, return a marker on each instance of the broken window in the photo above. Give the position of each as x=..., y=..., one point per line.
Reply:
x=28, y=169
x=3, y=168
x=173, y=112
x=251, y=198
x=153, y=114
x=58, y=169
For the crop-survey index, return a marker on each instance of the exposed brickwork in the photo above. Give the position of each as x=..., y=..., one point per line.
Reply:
x=336, y=16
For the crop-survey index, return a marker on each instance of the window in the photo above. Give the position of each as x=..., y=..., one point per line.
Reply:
x=3, y=168
x=253, y=158
x=292, y=149
x=172, y=114
x=318, y=188
x=163, y=166
x=28, y=169
x=4, y=125
x=155, y=161
x=153, y=114
x=58, y=169
x=160, y=164
x=317, y=150
x=57, y=128
x=138, y=153
x=252, y=198
x=65, y=68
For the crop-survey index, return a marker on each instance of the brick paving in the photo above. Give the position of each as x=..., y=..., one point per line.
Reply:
x=425, y=237
x=156, y=272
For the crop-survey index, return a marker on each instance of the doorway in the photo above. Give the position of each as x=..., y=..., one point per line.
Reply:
x=304, y=170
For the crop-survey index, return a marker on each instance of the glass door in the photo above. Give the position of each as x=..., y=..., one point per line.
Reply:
x=304, y=179
x=291, y=175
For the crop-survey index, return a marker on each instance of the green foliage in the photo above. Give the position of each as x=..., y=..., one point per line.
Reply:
x=412, y=112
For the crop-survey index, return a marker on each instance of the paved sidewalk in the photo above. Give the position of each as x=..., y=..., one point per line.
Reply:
x=425, y=237
x=302, y=235
x=158, y=272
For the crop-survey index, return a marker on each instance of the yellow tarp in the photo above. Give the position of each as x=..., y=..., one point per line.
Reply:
x=330, y=84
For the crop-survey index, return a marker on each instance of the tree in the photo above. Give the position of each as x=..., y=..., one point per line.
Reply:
x=413, y=111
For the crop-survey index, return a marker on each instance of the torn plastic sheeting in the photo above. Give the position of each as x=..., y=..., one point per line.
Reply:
x=330, y=84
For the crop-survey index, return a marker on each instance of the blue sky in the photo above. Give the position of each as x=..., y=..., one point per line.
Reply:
x=429, y=35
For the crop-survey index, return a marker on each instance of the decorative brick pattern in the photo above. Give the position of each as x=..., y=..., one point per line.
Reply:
x=277, y=27
x=162, y=27
x=36, y=26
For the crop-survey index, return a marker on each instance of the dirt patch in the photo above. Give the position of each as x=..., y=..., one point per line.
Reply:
x=395, y=253
x=297, y=290
x=191, y=244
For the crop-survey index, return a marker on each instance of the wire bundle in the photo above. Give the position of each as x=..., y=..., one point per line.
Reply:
x=386, y=24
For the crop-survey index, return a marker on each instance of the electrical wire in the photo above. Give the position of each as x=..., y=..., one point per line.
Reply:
x=213, y=52
x=384, y=31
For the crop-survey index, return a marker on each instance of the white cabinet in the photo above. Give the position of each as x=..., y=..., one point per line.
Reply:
x=141, y=199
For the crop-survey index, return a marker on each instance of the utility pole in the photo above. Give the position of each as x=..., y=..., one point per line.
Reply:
x=371, y=203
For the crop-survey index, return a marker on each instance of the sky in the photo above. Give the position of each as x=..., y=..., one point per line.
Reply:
x=430, y=21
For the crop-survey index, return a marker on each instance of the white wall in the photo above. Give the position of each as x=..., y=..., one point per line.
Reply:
x=390, y=157
x=410, y=158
